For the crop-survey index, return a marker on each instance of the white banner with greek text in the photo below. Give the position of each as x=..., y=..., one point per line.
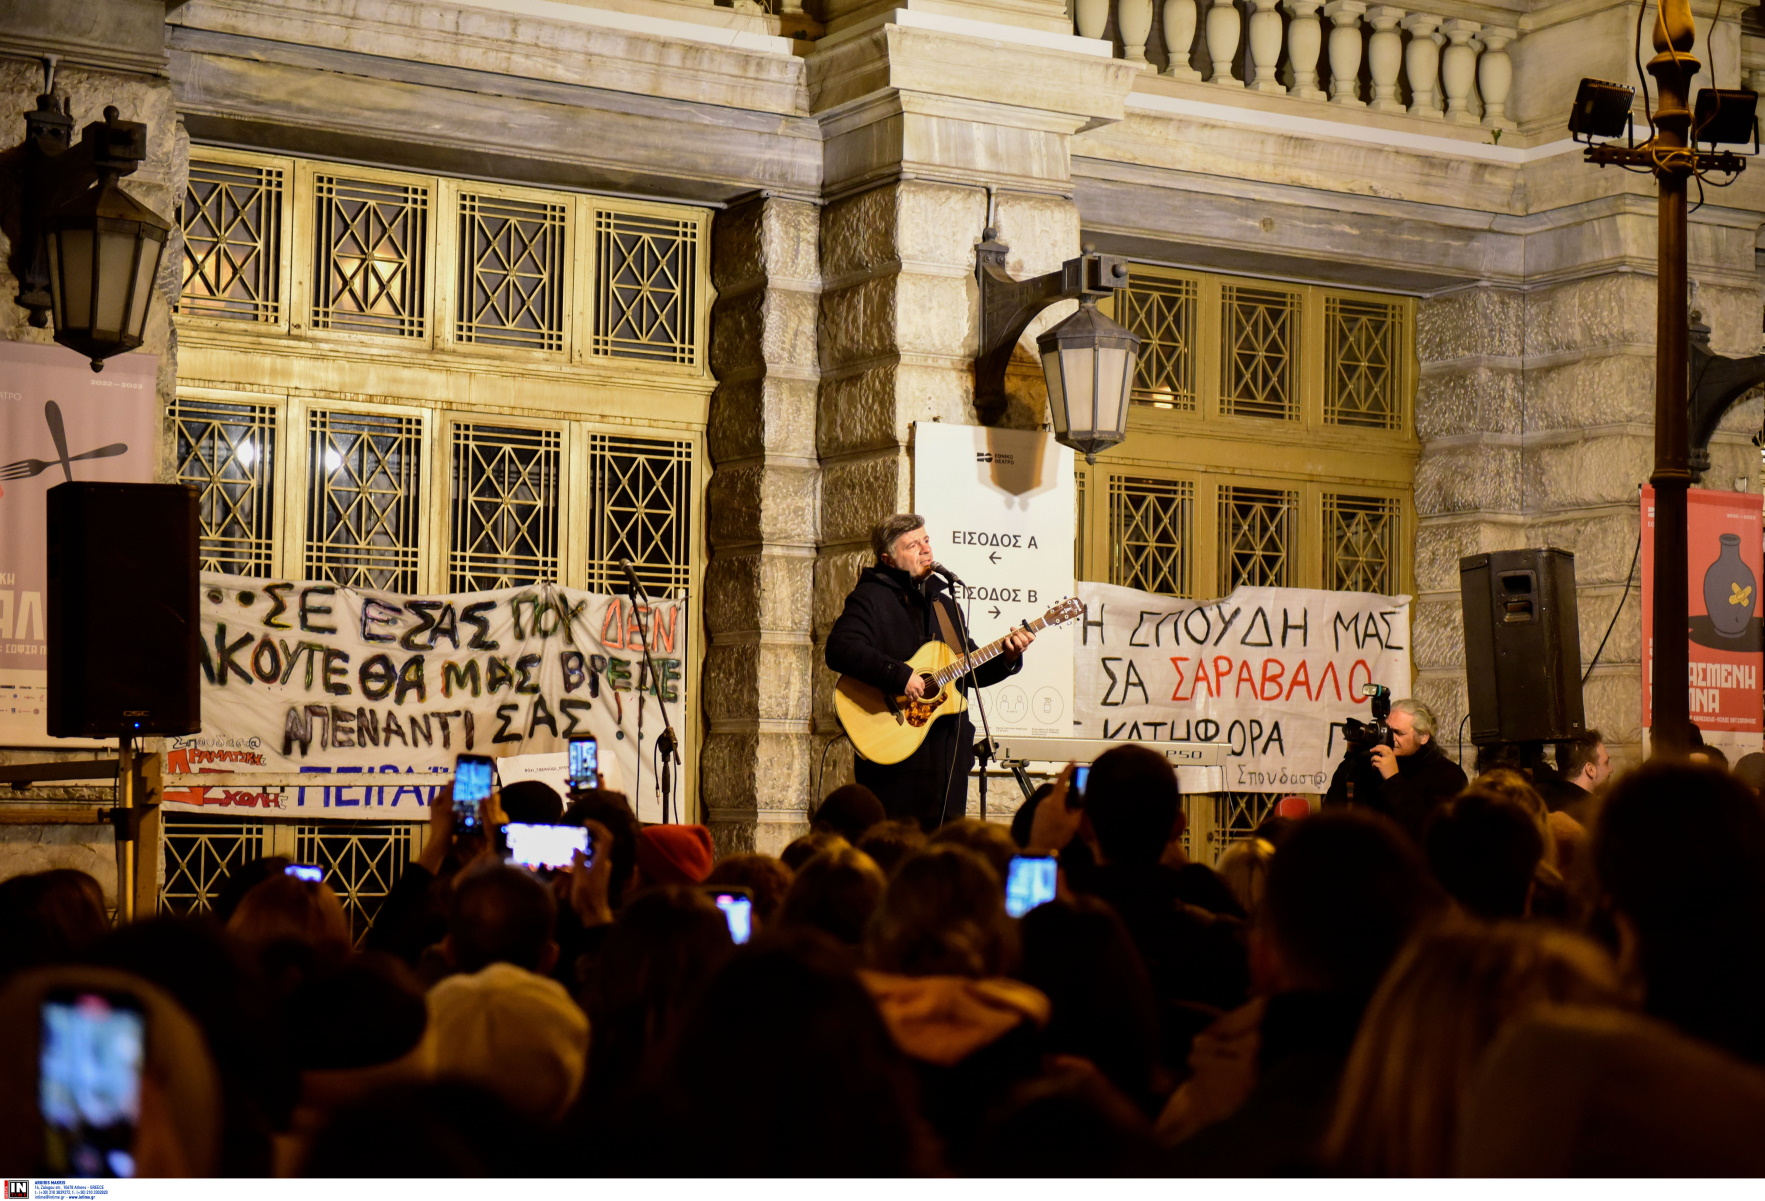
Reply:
x=312, y=677
x=1273, y=672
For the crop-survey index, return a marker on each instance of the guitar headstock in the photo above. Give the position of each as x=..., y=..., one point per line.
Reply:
x=1068, y=609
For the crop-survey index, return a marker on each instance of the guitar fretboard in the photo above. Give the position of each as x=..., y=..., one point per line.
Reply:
x=992, y=650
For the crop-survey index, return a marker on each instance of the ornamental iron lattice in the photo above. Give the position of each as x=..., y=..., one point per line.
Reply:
x=232, y=218
x=362, y=499
x=371, y=247
x=505, y=512
x=1256, y=536
x=1237, y=815
x=228, y=452
x=1151, y=523
x=1162, y=311
x=645, y=301
x=511, y=273
x=1361, y=377
x=1360, y=542
x=639, y=508
x=201, y=851
x=362, y=861
x=1259, y=337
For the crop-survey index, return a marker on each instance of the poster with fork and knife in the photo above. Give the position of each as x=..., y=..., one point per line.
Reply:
x=59, y=422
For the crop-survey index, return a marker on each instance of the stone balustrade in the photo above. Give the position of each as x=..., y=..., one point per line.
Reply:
x=1380, y=57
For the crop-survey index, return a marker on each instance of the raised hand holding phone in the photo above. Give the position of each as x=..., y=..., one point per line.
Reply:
x=591, y=877
x=1058, y=818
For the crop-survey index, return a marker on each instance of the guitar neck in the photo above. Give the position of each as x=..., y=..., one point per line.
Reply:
x=992, y=650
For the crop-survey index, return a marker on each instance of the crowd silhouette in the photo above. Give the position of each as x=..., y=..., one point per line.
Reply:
x=1540, y=981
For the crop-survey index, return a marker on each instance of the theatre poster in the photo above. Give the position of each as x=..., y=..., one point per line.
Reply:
x=1723, y=580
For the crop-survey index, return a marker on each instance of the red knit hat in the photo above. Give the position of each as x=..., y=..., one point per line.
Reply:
x=675, y=854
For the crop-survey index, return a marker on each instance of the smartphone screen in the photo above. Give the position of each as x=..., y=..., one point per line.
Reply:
x=89, y=1081
x=544, y=848
x=472, y=776
x=305, y=871
x=585, y=763
x=1029, y=883
x=1080, y=775
x=738, y=911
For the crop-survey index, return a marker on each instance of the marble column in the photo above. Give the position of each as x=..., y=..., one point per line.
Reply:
x=762, y=524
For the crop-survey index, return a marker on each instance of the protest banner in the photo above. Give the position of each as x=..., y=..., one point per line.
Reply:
x=1272, y=672
x=1723, y=605
x=300, y=676
x=59, y=422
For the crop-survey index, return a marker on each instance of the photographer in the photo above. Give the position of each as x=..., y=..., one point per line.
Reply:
x=1393, y=767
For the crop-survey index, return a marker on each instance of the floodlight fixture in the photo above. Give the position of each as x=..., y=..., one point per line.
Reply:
x=1726, y=117
x=1602, y=110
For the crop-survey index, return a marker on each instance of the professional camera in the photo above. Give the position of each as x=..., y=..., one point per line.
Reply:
x=1363, y=736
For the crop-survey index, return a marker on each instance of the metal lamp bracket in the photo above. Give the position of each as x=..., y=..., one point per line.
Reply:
x=1009, y=305
x=1717, y=385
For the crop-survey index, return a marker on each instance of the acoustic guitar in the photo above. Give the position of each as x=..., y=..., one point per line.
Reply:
x=887, y=729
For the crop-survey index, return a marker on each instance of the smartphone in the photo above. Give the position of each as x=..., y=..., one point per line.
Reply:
x=1029, y=883
x=89, y=1081
x=472, y=778
x=305, y=871
x=1076, y=794
x=544, y=848
x=585, y=763
x=738, y=910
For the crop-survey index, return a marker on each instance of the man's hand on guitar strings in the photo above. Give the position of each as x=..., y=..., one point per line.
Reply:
x=1018, y=641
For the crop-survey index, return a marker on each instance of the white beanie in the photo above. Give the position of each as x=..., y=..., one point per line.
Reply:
x=514, y=1032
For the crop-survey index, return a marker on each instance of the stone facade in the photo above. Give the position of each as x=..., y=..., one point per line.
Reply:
x=856, y=154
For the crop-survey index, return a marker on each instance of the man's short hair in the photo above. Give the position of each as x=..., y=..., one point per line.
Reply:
x=500, y=915
x=882, y=538
x=1483, y=848
x=1424, y=716
x=1579, y=753
x=1133, y=799
x=1344, y=893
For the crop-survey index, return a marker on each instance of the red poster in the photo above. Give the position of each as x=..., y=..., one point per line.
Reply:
x=1724, y=570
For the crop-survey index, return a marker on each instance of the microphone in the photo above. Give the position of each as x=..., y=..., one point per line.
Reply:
x=947, y=573
x=637, y=592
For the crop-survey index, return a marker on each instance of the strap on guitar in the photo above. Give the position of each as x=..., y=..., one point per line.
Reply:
x=947, y=628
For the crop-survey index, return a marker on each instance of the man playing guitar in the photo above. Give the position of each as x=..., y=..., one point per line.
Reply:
x=896, y=606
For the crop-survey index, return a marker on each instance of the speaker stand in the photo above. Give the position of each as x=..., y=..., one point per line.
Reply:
x=122, y=820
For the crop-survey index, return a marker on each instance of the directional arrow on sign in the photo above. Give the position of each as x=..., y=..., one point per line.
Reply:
x=995, y=611
x=993, y=558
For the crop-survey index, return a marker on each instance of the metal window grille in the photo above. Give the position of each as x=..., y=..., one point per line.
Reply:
x=639, y=508
x=1360, y=542
x=200, y=851
x=362, y=861
x=371, y=248
x=1255, y=537
x=1151, y=524
x=232, y=221
x=1078, y=542
x=645, y=300
x=362, y=500
x=1361, y=377
x=1259, y=344
x=1237, y=815
x=511, y=273
x=505, y=508
x=228, y=452
x=1162, y=312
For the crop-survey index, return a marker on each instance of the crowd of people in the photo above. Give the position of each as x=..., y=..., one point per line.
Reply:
x=1548, y=973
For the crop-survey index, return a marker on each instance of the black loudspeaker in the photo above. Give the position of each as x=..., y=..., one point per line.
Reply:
x=1522, y=646
x=123, y=625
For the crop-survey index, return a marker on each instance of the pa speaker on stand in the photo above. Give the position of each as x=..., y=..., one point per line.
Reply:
x=1522, y=646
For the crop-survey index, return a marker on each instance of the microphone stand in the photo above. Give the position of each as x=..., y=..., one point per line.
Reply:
x=667, y=744
x=975, y=689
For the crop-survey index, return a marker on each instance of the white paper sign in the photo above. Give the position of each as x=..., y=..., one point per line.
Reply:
x=300, y=676
x=1273, y=672
x=998, y=504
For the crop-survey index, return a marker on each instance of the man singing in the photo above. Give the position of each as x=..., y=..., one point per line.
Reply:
x=898, y=606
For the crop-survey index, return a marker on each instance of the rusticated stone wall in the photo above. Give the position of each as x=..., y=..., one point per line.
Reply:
x=1536, y=417
x=763, y=525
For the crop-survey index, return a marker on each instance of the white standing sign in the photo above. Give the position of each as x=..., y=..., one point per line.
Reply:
x=998, y=504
